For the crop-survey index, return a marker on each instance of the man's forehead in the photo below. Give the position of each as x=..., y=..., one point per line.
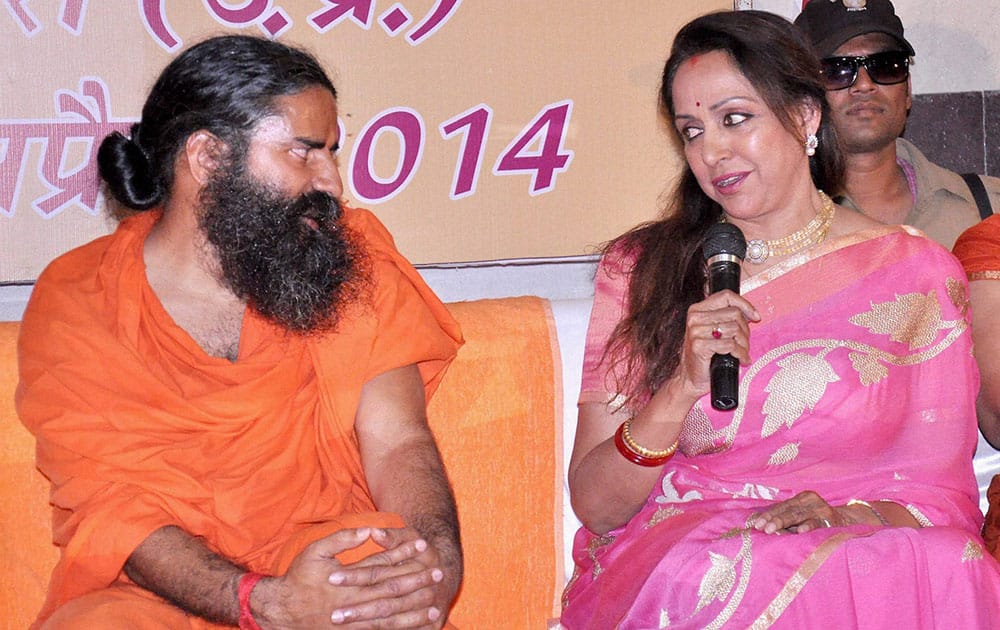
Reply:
x=306, y=107
x=271, y=125
x=311, y=114
x=867, y=44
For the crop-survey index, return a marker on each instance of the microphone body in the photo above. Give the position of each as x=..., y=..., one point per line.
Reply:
x=724, y=249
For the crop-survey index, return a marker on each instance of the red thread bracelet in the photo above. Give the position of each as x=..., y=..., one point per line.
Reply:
x=247, y=582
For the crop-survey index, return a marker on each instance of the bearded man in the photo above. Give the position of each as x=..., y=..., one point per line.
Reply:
x=229, y=392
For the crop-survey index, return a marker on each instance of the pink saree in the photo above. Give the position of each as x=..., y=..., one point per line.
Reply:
x=861, y=385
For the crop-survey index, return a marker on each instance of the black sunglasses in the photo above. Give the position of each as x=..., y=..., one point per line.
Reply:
x=885, y=68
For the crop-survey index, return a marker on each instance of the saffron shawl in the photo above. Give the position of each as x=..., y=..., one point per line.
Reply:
x=138, y=428
x=861, y=385
x=978, y=249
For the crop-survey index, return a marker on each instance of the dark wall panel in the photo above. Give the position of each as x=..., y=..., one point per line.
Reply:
x=959, y=130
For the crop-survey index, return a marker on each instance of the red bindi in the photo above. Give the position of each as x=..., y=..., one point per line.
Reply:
x=697, y=103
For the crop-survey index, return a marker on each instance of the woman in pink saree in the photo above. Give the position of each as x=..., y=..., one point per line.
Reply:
x=839, y=492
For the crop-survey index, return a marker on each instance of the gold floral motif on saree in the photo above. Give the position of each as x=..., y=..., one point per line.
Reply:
x=798, y=385
x=929, y=416
x=733, y=533
x=785, y=455
x=564, y=600
x=918, y=516
x=913, y=318
x=959, y=294
x=592, y=547
x=870, y=370
x=664, y=620
x=595, y=544
x=670, y=494
x=662, y=514
x=718, y=581
x=726, y=579
x=804, y=370
x=972, y=551
x=697, y=437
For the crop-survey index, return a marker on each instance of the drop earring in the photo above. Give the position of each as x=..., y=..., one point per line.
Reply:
x=811, y=143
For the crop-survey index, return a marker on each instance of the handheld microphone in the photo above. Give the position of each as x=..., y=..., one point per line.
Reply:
x=724, y=249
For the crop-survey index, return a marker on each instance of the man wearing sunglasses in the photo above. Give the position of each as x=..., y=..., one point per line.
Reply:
x=866, y=69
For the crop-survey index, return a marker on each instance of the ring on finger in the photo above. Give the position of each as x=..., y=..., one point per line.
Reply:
x=717, y=331
x=826, y=523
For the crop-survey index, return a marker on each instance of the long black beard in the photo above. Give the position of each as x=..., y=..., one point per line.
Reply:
x=288, y=257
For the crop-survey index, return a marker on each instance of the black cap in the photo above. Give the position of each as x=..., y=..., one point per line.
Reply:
x=829, y=23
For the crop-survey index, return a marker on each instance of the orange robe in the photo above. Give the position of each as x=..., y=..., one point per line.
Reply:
x=138, y=428
x=978, y=249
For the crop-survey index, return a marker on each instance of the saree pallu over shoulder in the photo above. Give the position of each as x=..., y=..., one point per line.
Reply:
x=861, y=385
x=138, y=428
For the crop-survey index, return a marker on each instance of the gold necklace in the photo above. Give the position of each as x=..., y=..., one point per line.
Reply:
x=758, y=250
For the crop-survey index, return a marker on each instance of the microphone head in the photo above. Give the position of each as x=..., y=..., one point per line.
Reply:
x=724, y=238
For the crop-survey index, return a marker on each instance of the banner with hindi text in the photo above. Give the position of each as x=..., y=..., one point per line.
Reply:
x=475, y=130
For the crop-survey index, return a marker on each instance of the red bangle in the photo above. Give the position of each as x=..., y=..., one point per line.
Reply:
x=631, y=452
x=247, y=582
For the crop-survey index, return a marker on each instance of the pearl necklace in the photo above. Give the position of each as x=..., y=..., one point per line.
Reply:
x=758, y=250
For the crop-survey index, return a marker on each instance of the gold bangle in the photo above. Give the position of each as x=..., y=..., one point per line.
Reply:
x=878, y=515
x=641, y=450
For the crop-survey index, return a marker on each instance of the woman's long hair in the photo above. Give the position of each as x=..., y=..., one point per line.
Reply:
x=669, y=273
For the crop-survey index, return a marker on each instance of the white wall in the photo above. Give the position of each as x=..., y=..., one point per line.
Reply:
x=570, y=278
x=12, y=301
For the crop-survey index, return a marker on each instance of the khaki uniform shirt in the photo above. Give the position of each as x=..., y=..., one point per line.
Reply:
x=944, y=206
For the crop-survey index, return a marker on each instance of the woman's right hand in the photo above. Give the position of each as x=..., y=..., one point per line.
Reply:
x=719, y=324
x=603, y=506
